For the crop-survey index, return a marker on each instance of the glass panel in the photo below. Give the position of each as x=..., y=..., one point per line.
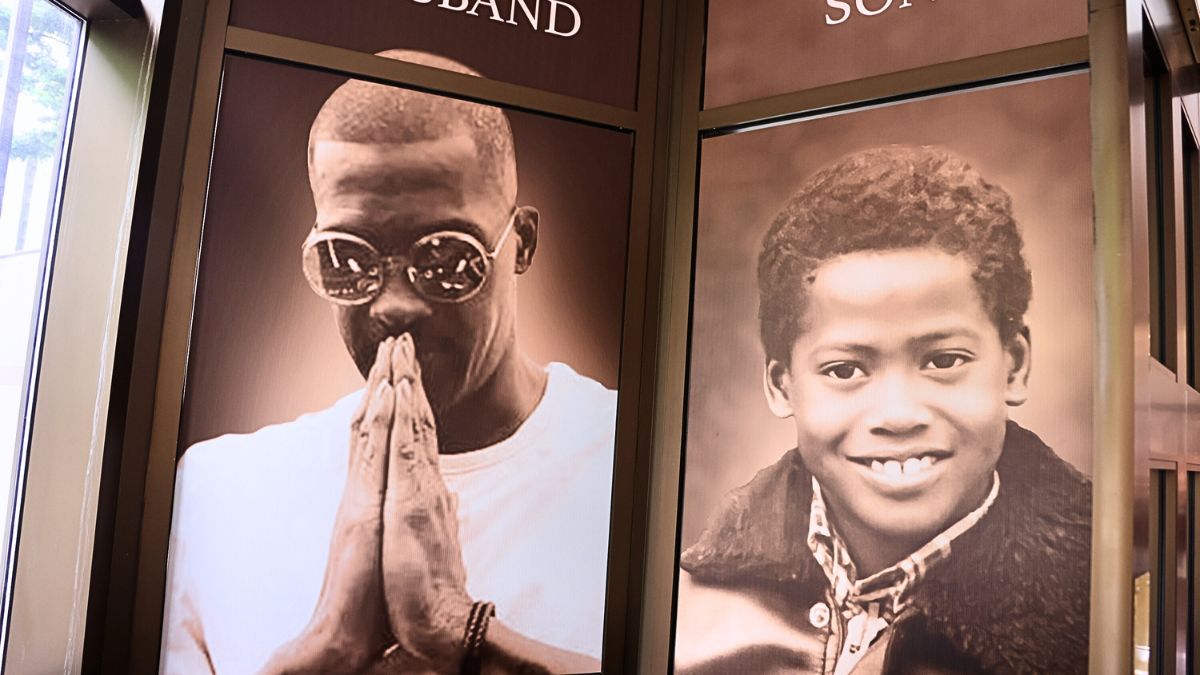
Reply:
x=583, y=48
x=1157, y=602
x=40, y=41
x=1141, y=624
x=855, y=278
x=518, y=355
x=760, y=48
x=1193, y=572
x=1158, y=156
x=1191, y=199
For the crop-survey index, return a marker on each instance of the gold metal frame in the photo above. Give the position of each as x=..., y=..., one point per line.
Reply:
x=125, y=615
x=1106, y=53
x=1111, y=639
x=668, y=124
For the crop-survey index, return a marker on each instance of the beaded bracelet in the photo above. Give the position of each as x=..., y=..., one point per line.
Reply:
x=477, y=625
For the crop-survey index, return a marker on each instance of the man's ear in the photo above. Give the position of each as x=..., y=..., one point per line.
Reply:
x=777, y=385
x=525, y=226
x=1019, y=350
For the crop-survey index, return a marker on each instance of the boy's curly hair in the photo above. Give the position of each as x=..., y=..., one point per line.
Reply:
x=886, y=199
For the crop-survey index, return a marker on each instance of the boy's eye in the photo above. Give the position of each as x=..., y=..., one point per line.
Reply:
x=946, y=361
x=843, y=371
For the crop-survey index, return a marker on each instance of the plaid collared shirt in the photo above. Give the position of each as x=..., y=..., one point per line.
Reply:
x=865, y=608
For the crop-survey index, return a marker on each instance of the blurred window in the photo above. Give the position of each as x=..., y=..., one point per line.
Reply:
x=39, y=64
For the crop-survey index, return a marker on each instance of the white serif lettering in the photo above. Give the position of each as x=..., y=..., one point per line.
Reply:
x=840, y=11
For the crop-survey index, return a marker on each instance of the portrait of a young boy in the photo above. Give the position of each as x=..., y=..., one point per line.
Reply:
x=914, y=527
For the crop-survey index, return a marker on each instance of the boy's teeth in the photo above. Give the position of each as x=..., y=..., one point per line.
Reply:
x=910, y=466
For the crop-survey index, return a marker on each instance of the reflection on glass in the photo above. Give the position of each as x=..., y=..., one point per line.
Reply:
x=38, y=64
x=1191, y=200
x=1153, y=594
x=1141, y=625
x=1160, y=228
x=1193, y=568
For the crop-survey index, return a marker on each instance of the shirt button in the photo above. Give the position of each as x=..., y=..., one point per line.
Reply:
x=818, y=615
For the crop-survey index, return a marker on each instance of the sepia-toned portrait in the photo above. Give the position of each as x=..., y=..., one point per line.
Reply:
x=889, y=413
x=397, y=442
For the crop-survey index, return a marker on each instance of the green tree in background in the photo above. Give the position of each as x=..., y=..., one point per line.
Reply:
x=41, y=43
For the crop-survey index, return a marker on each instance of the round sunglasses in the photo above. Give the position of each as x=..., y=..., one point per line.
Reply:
x=447, y=266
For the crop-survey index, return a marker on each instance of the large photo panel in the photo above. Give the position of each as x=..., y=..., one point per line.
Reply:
x=890, y=391
x=397, y=441
x=825, y=42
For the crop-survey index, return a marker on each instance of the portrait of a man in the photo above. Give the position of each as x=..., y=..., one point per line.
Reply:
x=916, y=524
x=452, y=514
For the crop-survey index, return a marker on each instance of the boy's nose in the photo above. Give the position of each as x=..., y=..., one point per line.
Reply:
x=897, y=408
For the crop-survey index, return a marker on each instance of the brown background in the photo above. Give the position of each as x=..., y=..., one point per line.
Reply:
x=760, y=48
x=265, y=348
x=598, y=63
x=1031, y=139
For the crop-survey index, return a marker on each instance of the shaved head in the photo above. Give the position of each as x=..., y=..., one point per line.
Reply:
x=366, y=112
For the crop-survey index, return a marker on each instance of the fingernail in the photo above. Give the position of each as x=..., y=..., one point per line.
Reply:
x=404, y=389
x=406, y=345
x=382, y=388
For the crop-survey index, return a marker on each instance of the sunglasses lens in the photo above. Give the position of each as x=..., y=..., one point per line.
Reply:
x=343, y=270
x=447, y=268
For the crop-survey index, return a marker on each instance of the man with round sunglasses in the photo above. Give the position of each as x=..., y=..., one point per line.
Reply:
x=464, y=525
x=448, y=266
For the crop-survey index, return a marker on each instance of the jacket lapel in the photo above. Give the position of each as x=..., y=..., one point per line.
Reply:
x=1012, y=597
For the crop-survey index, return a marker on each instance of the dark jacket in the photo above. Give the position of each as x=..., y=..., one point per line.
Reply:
x=1012, y=598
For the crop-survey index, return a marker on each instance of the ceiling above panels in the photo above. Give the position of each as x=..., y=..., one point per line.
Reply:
x=1191, y=25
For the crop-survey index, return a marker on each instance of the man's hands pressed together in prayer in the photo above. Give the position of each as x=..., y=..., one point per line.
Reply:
x=423, y=574
x=395, y=575
x=394, y=597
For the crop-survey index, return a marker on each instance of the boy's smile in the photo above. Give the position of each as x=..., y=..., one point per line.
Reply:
x=899, y=386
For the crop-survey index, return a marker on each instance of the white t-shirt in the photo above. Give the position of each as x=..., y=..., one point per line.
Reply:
x=254, y=515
